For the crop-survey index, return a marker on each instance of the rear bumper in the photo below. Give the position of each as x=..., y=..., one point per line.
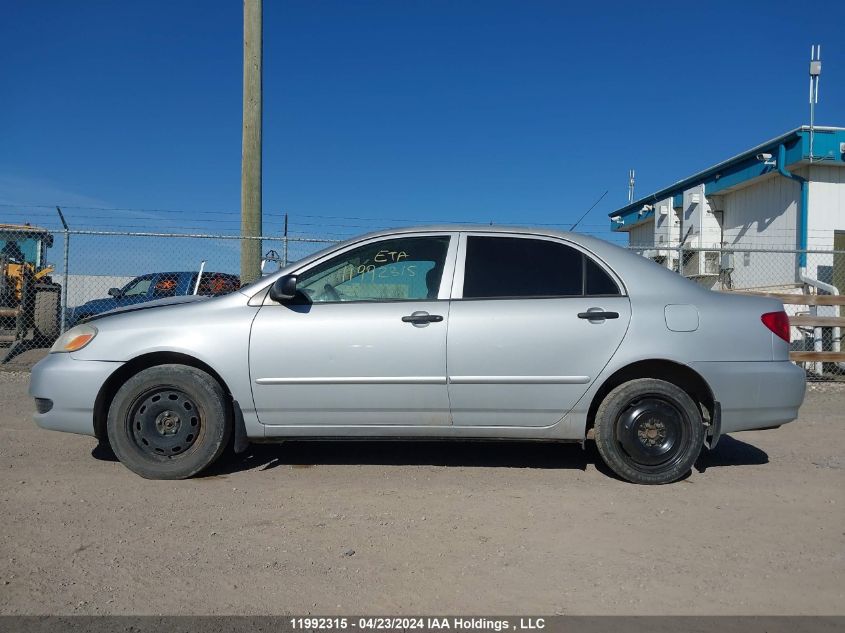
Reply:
x=71, y=386
x=755, y=395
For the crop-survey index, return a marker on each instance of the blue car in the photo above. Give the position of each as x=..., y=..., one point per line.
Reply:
x=157, y=286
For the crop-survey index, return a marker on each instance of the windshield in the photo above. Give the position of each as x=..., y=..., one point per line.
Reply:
x=19, y=249
x=137, y=287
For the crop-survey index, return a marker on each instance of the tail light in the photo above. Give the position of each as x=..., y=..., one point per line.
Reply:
x=777, y=322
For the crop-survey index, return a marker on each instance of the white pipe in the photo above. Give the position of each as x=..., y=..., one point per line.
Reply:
x=199, y=277
x=837, y=333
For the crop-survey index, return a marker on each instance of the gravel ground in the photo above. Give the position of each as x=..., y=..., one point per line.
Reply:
x=424, y=528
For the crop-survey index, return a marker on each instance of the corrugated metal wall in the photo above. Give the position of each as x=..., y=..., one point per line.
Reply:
x=642, y=235
x=827, y=205
x=82, y=288
x=762, y=215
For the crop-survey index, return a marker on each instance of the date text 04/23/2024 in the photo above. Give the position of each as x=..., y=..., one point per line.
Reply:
x=418, y=623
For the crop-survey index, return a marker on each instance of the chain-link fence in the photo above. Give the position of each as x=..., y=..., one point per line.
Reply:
x=52, y=280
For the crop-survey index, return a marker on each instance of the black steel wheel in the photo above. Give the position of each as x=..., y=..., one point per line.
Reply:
x=649, y=431
x=164, y=422
x=169, y=422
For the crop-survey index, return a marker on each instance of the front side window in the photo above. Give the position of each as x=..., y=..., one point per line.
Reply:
x=506, y=267
x=401, y=269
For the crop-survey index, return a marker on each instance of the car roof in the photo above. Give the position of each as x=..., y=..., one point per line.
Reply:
x=184, y=272
x=580, y=238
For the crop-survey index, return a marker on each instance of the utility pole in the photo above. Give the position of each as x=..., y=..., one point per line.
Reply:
x=251, y=148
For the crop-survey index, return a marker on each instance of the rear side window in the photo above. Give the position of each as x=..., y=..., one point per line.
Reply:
x=505, y=267
x=216, y=284
x=166, y=286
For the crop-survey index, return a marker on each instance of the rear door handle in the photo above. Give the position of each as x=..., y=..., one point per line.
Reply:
x=419, y=318
x=597, y=315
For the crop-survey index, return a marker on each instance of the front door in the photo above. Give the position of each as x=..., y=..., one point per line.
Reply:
x=364, y=341
x=532, y=323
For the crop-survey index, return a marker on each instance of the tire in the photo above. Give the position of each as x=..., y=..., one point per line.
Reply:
x=169, y=422
x=649, y=431
x=46, y=314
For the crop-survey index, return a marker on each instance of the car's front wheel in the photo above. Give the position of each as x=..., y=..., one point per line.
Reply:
x=649, y=431
x=169, y=422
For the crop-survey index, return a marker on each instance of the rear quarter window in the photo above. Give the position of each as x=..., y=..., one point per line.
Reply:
x=597, y=281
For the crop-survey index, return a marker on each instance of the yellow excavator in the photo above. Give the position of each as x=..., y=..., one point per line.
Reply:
x=29, y=299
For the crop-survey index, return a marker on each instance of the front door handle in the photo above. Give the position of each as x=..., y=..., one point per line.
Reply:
x=420, y=318
x=597, y=314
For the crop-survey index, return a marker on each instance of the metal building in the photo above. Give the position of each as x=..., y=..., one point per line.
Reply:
x=776, y=196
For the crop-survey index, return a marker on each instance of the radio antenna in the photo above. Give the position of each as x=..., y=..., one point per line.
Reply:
x=815, y=72
x=572, y=228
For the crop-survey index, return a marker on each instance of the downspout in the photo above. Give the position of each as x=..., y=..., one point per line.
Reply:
x=802, y=209
x=803, y=213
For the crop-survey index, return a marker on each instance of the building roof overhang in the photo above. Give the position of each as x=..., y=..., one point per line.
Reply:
x=741, y=170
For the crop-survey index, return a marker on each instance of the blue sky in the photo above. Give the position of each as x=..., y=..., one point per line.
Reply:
x=394, y=112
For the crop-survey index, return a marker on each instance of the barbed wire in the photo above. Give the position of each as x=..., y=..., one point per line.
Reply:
x=312, y=227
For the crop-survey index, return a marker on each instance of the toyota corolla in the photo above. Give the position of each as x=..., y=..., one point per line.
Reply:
x=449, y=332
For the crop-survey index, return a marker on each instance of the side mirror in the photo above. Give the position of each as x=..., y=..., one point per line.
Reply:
x=283, y=288
x=115, y=292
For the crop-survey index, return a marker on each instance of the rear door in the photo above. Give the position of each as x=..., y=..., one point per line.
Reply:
x=533, y=321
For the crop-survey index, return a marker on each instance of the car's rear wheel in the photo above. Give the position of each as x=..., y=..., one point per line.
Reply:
x=649, y=431
x=169, y=422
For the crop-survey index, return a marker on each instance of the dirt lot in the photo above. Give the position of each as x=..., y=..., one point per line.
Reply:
x=424, y=528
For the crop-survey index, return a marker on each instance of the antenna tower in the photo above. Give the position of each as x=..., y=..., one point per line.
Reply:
x=815, y=72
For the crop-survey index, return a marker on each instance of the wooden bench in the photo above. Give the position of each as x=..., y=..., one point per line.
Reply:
x=817, y=357
x=797, y=299
x=808, y=320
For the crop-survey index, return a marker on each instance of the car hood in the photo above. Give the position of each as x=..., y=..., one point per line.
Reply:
x=106, y=303
x=150, y=305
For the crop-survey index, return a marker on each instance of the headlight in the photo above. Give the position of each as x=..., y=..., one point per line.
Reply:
x=74, y=339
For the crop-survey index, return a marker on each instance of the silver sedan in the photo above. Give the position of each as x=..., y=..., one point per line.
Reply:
x=448, y=332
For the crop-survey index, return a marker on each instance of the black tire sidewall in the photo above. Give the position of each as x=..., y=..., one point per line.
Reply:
x=612, y=452
x=215, y=424
x=46, y=315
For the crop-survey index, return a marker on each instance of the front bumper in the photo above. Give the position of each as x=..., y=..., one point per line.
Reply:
x=755, y=395
x=72, y=386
